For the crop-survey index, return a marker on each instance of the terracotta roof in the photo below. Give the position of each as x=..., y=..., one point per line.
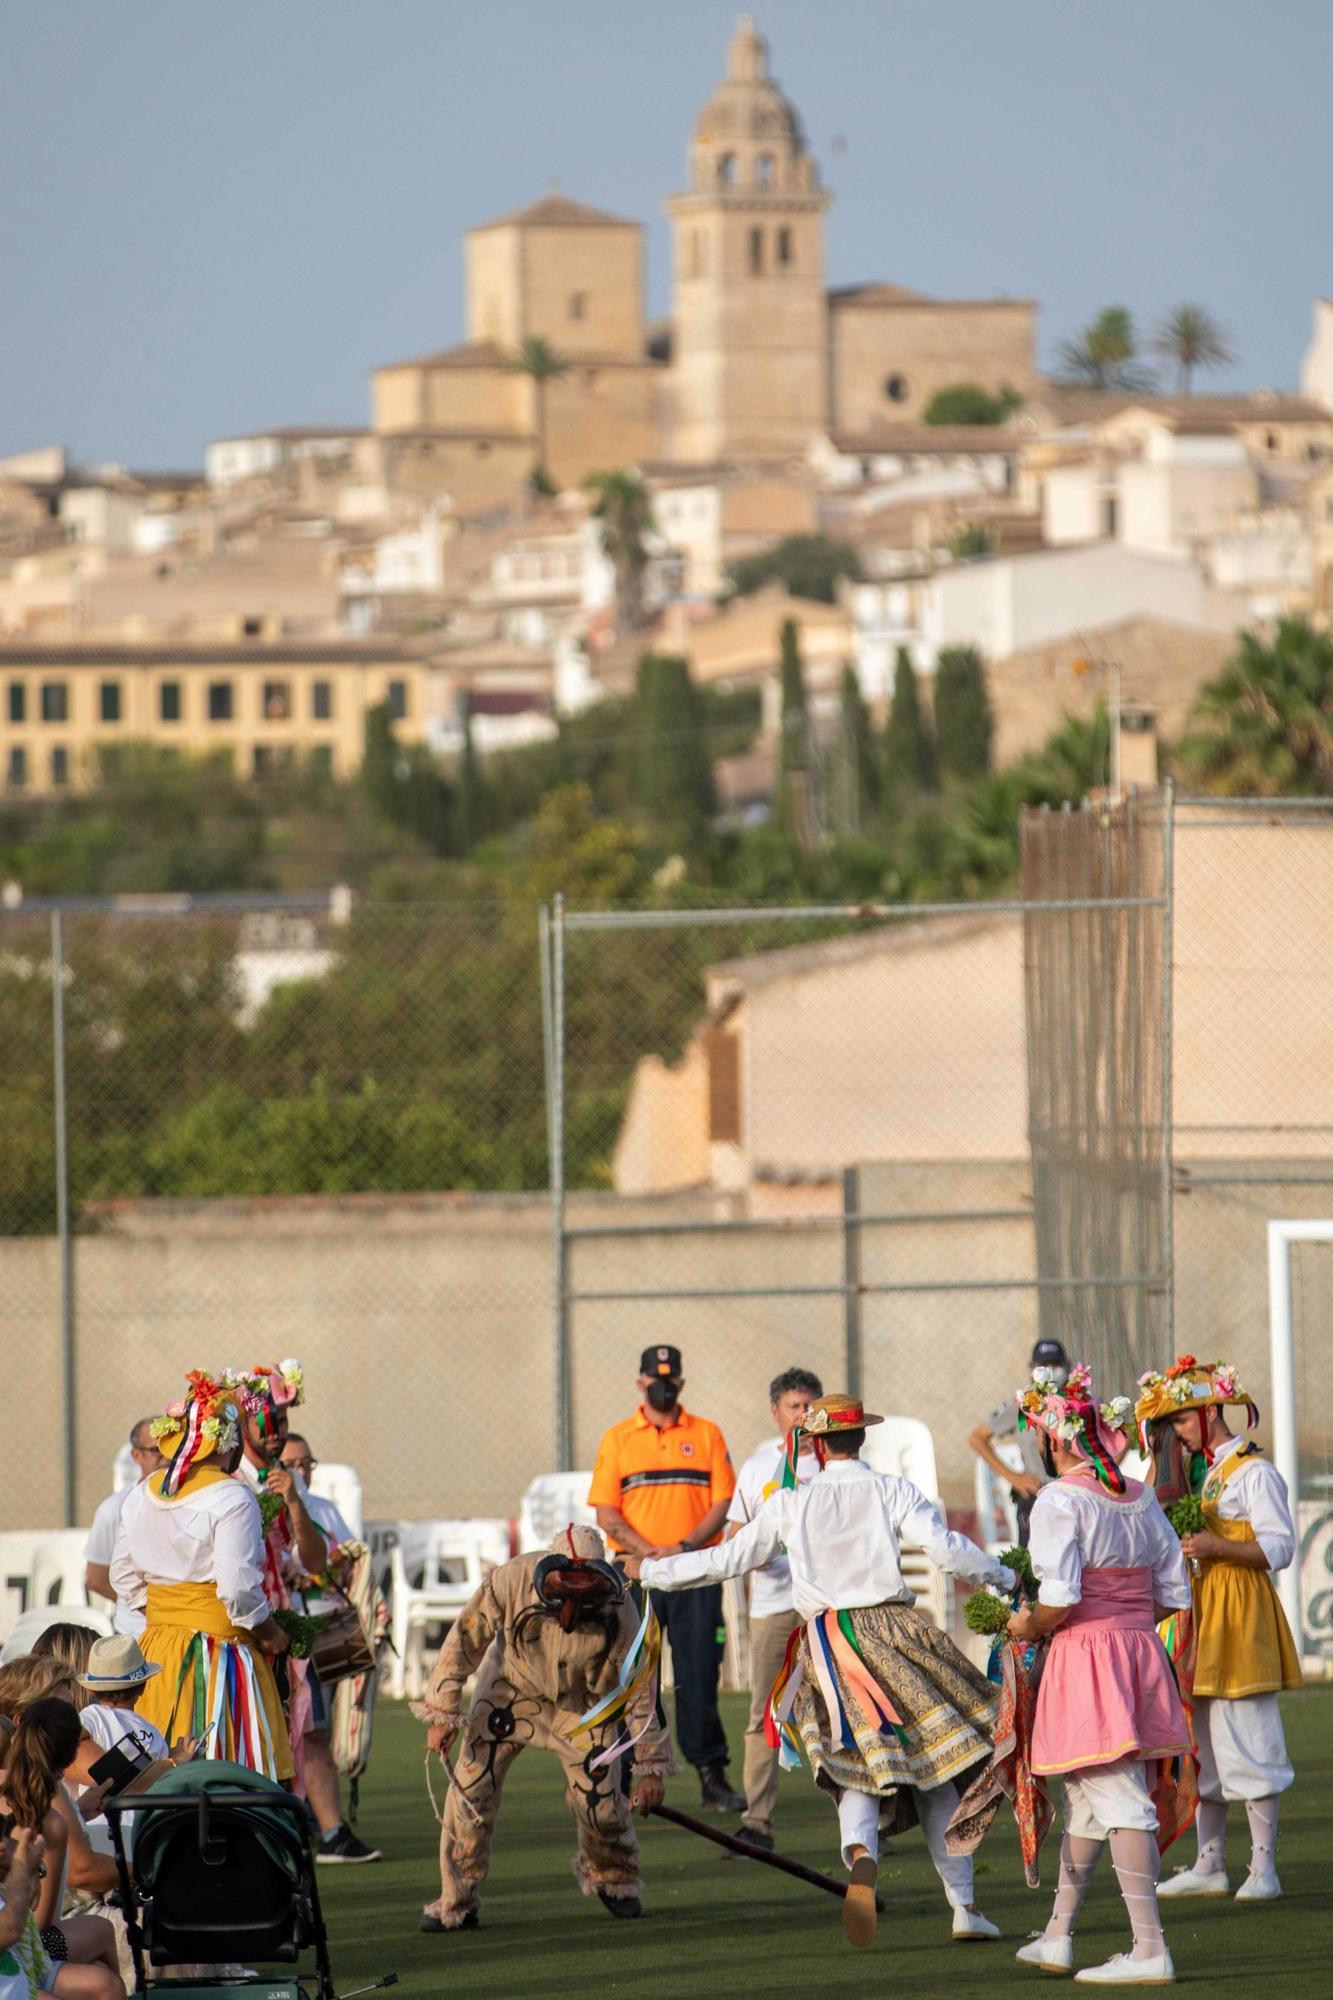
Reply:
x=557, y=211
x=292, y=652
x=1261, y=406
x=900, y=295
x=470, y=354
x=926, y=438
x=296, y=433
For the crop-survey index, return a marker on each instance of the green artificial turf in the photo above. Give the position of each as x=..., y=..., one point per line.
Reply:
x=719, y=1927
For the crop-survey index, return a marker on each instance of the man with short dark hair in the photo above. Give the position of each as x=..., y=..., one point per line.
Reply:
x=660, y=1486
x=1024, y=1486
x=101, y=1543
x=772, y=1613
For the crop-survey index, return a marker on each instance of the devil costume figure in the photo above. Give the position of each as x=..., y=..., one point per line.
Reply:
x=547, y=1637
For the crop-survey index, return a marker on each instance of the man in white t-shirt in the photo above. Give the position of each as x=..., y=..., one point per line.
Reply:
x=101, y=1543
x=772, y=1613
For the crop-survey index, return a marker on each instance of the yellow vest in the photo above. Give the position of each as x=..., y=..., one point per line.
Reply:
x=1243, y=1644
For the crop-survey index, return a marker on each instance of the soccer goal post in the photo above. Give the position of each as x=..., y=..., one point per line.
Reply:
x=1282, y=1337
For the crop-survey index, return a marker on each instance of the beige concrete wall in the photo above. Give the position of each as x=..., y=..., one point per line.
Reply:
x=663, y=1141
x=1161, y=664
x=397, y=399
x=932, y=345
x=599, y=269
x=464, y=470
x=1168, y=508
x=493, y=281
x=600, y=418
x=478, y=399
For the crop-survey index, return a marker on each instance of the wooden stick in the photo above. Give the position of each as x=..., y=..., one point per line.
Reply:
x=752, y=1853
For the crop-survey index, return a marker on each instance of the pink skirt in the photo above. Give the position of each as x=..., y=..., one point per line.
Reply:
x=1107, y=1690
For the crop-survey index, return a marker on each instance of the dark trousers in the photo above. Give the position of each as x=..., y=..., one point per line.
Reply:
x=692, y=1621
x=1023, y=1510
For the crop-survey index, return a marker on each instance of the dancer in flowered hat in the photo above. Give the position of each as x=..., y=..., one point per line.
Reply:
x=1243, y=1653
x=190, y=1556
x=889, y=1712
x=1109, y=1567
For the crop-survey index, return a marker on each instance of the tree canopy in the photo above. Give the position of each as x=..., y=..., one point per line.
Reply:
x=809, y=565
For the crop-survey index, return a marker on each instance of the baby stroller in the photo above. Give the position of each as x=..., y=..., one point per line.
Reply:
x=215, y=1870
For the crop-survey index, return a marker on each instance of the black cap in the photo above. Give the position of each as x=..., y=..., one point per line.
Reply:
x=1049, y=1354
x=661, y=1361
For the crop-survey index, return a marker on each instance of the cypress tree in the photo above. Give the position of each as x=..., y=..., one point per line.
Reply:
x=909, y=751
x=473, y=801
x=674, y=766
x=858, y=762
x=964, y=725
x=793, y=790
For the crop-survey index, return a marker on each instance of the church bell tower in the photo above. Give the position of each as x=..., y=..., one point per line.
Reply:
x=750, y=315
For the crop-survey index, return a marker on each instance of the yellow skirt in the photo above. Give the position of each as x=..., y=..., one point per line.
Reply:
x=212, y=1678
x=1243, y=1643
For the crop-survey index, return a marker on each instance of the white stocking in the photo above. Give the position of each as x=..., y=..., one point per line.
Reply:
x=1210, y=1827
x=1262, y=1815
x=1078, y=1858
x=1134, y=1853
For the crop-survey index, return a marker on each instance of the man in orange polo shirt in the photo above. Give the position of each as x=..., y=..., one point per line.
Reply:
x=661, y=1485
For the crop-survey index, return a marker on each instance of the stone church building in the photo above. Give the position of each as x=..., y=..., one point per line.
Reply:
x=759, y=356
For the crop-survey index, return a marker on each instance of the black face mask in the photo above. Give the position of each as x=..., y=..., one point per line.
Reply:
x=661, y=1394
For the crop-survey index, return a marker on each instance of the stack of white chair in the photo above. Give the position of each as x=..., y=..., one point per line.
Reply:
x=342, y=1485
x=29, y=1627
x=553, y=1501
x=997, y=1516
x=457, y=1558
x=904, y=1446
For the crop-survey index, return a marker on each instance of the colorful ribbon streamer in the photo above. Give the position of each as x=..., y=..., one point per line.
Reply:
x=637, y=1679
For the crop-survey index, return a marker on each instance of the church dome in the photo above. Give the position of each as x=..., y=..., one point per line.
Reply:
x=748, y=135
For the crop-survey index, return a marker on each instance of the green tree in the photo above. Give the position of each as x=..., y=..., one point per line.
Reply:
x=964, y=725
x=405, y=786
x=858, y=765
x=969, y=403
x=909, y=752
x=472, y=799
x=809, y=566
x=794, y=776
x=539, y=361
x=675, y=771
x=624, y=509
x=1264, y=725
x=1104, y=355
x=1191, y=338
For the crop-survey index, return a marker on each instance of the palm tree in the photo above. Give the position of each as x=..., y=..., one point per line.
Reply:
x=1264, y=726
x=1192, y=338
x=538, y=360
x=625, y=510
x=1104, y=355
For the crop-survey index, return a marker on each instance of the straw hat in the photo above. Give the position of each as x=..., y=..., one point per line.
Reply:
x=837, y=1413
x=117, y=1662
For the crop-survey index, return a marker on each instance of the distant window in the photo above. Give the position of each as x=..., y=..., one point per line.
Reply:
x=60, y=765
x=756, y=252
x=1271, y=441
x=763, y=171
x=18, y=694
x=784, y=247
x=321, y=760
x=277, y=701
x=897, y=388
x=482, y=448
x=16, y=773
x=252, y=627
x=169, y=701
x=321, y=701
x=397, y=701
x=726, y=170
x=219, y=701
x=578, y=305
x=1110, y=516
x=55, y=701
x=109, y=701
x=425, y=448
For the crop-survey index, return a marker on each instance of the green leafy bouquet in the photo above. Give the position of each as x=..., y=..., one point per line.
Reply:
x=301, y=1630
x=989, y=1614
x=270, y=1506
x=1186, y=1517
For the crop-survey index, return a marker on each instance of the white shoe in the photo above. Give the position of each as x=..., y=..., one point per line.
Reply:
x=970, y=1927
x=1259, y=1889
x=1122, y=1970
x=1048, y=1954
x=1189, y=1882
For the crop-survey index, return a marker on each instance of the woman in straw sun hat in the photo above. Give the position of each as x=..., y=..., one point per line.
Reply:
x=889, y=1712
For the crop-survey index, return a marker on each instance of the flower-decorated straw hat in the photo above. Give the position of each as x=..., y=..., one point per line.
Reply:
x=263, y=1391
x=1072, y=1416
x=826, y=1416
x=1190, y=1385
x=204, y=1422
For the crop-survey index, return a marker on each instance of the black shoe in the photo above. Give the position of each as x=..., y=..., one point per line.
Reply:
x=345, y=1847
x=471, y=1922
x=620, y=1906
x=716, y=1793
x=753, y=1838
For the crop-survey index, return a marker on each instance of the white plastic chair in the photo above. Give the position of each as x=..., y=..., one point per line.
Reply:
x=458, y=1557
x=342, y=1485
x=57, y=1569
x=29, y=1628
x=17, y=1550
x=551, y=1503
x=904, y=1447
x=994, y=1500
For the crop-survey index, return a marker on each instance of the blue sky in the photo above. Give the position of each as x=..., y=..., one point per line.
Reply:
x=221, y=216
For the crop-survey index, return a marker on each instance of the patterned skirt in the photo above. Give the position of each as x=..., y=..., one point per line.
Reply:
x=936, y=1713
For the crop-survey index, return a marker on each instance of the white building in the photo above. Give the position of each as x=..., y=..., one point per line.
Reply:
x=230, y=460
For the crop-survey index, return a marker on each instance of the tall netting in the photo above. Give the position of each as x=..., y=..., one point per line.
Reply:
x=1098, y=1115
x=1312, y=1503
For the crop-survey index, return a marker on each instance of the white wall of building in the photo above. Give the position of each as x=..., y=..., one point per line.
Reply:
x=1317, y=367
x=1074, y=503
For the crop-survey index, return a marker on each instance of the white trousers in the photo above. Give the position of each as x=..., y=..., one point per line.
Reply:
x=1242, y=1750
x=858, y=1822
x=1103, y=1797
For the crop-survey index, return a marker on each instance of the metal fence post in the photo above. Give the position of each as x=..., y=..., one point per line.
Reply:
x=851, y=1278
x=1168, y=1032
x=69, y=1424
x=564, y=1410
